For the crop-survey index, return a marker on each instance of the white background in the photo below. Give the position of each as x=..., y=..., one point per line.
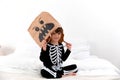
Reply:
x=97, y=21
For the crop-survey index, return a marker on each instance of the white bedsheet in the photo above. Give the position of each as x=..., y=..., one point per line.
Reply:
x=25, y=60
x=92, y=66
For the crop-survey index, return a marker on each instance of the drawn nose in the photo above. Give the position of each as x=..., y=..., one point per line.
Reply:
x=41, y=22
x=37, y=29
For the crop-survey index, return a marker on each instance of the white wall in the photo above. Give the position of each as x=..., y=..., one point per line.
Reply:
x=97, y=21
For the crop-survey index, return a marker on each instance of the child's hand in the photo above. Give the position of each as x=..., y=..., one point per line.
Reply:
x=44, y=43
x=68, y=45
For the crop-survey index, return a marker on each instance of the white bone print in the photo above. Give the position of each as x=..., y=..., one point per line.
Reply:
x=55, y=56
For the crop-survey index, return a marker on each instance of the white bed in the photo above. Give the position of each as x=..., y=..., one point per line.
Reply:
x=24, y=63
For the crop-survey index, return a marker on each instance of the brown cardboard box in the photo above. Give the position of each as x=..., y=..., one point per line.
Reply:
x=42, y=26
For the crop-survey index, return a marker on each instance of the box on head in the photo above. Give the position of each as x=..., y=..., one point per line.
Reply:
x=42, y=26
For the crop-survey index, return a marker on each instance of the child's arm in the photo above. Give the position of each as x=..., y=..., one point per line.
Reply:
x=42, y=56
x=44, y=43
x=66, y=54
x=68, y=51
x=43, y=51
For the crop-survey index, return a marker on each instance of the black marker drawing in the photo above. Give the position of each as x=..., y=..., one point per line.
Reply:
x=44, y=30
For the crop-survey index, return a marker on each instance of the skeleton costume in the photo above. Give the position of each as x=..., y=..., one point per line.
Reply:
x=53, y=59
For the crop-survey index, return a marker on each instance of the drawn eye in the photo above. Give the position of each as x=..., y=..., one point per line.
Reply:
x=41, y=22
x=37, y=29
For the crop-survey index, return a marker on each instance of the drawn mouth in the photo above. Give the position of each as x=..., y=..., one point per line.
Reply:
x=45, y=30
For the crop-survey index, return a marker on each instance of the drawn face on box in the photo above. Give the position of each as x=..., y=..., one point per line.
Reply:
x=43, y=30
x=42, y=26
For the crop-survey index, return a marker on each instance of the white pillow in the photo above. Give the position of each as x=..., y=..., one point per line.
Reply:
x=80, y=55
x=80, y=48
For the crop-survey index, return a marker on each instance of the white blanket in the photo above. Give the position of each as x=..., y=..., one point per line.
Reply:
x=25, y=61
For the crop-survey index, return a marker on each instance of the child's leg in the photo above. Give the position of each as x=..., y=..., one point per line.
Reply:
x=46, y=74
x=70, y=69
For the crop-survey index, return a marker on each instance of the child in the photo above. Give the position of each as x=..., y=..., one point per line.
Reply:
x=52, y=55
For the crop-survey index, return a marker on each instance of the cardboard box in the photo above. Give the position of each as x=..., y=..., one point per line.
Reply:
x=42, y=27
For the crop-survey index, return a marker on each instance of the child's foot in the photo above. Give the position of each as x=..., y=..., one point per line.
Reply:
x=70, y=74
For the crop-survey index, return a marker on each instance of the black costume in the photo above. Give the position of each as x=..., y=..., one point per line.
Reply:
x=53, y=59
